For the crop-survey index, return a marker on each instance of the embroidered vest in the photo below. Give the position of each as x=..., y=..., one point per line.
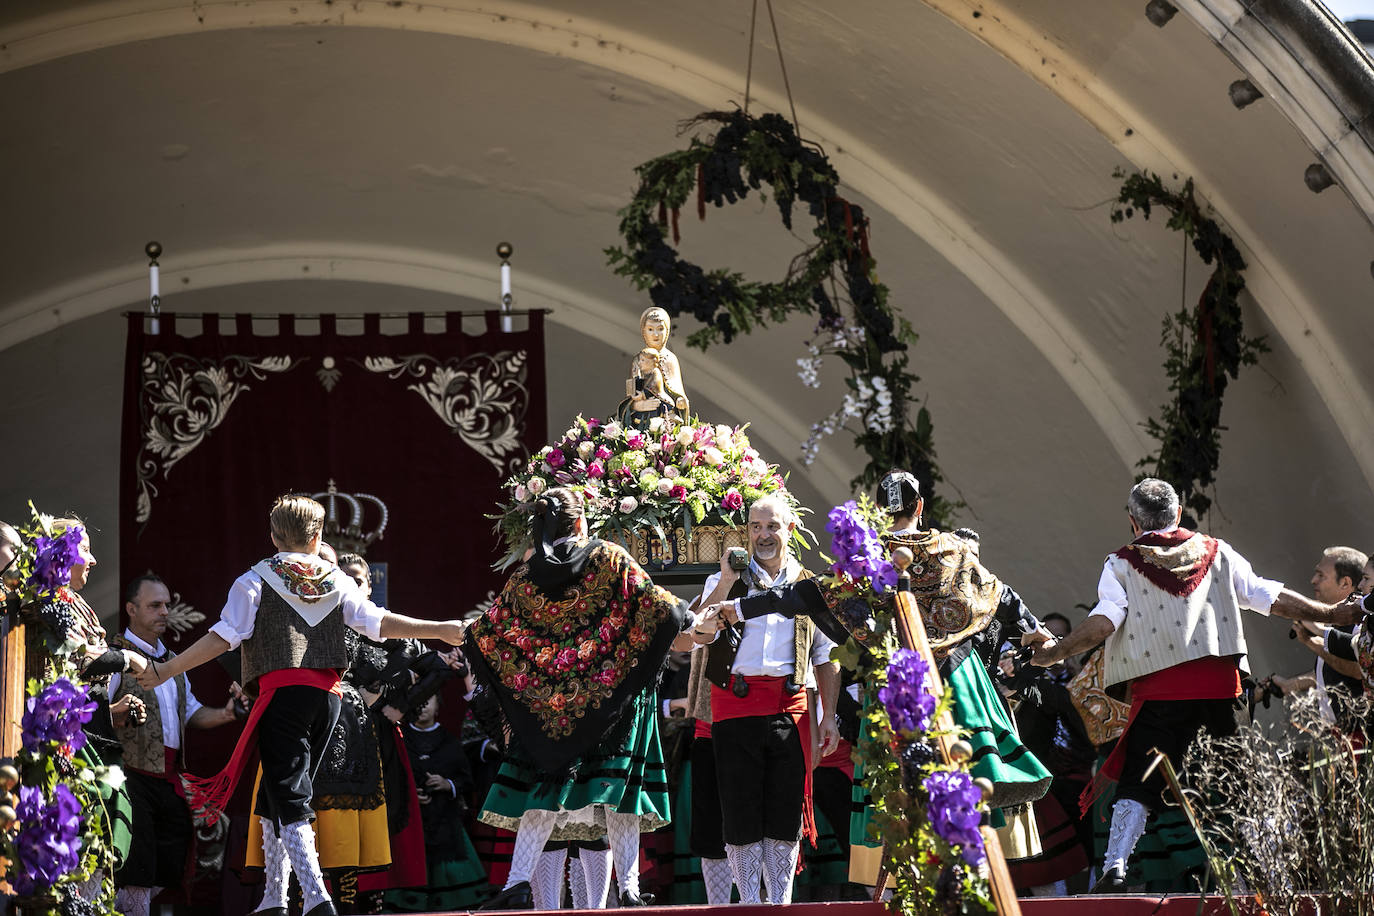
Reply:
x=145, y=745
x=1162, y=630
x=282, y=639
x=721, y=654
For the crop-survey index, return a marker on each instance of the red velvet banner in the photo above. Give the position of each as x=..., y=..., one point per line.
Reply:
x=218, y=421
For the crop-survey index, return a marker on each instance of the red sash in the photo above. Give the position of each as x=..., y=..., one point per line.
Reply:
x=170, y=771
x=207, y=795
x=768, y=697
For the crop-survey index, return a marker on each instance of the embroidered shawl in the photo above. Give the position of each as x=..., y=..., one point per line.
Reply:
x=1176, y=561
x=1104, y=717
x=309, y=584
x=956, y=595
x=565, y=667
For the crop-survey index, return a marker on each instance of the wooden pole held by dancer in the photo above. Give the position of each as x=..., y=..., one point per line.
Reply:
x=911, y=634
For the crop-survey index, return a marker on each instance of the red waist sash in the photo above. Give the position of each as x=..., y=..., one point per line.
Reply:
x=1210, y=678
x=769, y=696
x=207, y=795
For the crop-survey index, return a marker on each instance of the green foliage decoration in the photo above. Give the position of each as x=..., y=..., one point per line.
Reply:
x=1204, y=346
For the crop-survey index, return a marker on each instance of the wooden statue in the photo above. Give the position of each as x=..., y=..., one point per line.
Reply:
x=655, y=387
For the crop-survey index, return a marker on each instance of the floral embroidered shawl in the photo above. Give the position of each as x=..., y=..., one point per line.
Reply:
x=308, y=583
x=564, y=668
x=956, y=595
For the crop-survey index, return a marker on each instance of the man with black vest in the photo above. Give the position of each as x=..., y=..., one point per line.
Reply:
x=763, y=727
x=154, y=753
x=1168, y=608
x=288, y=614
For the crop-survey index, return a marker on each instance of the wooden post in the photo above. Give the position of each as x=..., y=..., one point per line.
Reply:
x=12, y=680
x=911, y=633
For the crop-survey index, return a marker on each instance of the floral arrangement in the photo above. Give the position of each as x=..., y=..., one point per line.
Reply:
x=631, y=479
x=1205, y=346
x=59, y=836
x=927, y=810
x=870, y=337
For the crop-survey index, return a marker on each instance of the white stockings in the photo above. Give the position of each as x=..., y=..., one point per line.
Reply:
x=623, y=832
x=535, y=827
x=779, y=868
x=715, y=874
x=746, y=866
x=1128, y=825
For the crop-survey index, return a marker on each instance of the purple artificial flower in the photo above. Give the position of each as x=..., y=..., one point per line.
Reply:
x=953, y=811
x=56, y=716
x=858, y=550
x=556, y=459
x=54, y=558
x=48, y=844
x=909, y=702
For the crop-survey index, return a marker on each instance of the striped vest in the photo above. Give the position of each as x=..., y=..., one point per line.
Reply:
x=1162, y=630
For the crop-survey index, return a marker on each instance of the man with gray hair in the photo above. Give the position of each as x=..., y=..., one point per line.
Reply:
x=1168, y=608
x=764, y=731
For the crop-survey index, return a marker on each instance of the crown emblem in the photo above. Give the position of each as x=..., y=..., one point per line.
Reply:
x=348, y=518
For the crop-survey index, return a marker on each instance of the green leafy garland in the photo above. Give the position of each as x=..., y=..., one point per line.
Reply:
x=1205, y=346
x=870, y=338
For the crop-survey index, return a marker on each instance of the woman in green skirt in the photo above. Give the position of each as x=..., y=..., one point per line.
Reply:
x=968, y=613
x=572, y=651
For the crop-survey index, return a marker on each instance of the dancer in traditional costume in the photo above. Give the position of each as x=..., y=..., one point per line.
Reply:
x=289, y=613
x=572, y=649
x=968, y=612
x=1168, y=608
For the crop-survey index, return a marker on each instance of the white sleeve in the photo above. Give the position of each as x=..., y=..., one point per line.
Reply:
x=711, y=582
x=113, y=688
x=1253, y=592
x=192, y=704
x=1111, y=597
x=240, y=612
x=360, y=613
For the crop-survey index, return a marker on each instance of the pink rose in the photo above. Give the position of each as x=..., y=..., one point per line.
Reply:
x=678, y=493
x=566, y=657
x=602, y=452
x=593, y=423
x=596, y=469
x=556, y=459
x=519, y=681
x=636, y=440
x=732, y=501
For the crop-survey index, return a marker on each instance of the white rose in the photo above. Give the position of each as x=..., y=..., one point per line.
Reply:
x=724, y=434
x=664, y=486
x=584, y=450
x=572, y=433
x=611, y=429
x=714, y=457
x=686, y=435
x=656, y=424
x=671, y=471
x=628, y=504
x=536, y=486
x=520, y=491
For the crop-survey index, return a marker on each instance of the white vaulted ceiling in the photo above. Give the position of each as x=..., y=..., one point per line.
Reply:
x=308, y=155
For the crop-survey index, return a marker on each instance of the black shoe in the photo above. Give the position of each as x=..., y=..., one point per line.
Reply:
x=519, y=896
x=1113, y=881
x=323, y=908
x=629, y=899
x=270, y=911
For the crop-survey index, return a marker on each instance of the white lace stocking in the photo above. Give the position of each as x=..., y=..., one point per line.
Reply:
x=716, y=875
x=623, y=832
x=276, y=869
x=547, y=881
x=535, y=826
x=746, y=865
x=596, y=871
x=780, y=868
x=299, y=840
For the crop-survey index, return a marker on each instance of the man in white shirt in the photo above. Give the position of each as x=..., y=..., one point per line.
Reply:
x=153, y=753
x=1169, y=607
x=760, y=671
x=288, y=613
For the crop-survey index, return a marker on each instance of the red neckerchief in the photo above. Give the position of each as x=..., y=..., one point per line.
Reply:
x=1172, y=561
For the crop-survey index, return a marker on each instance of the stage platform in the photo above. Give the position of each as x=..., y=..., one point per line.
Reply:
x=1087, y=905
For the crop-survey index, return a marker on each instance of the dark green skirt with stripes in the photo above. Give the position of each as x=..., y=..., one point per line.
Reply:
x=453, y=884
x=998, y=754
x=625, y=774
